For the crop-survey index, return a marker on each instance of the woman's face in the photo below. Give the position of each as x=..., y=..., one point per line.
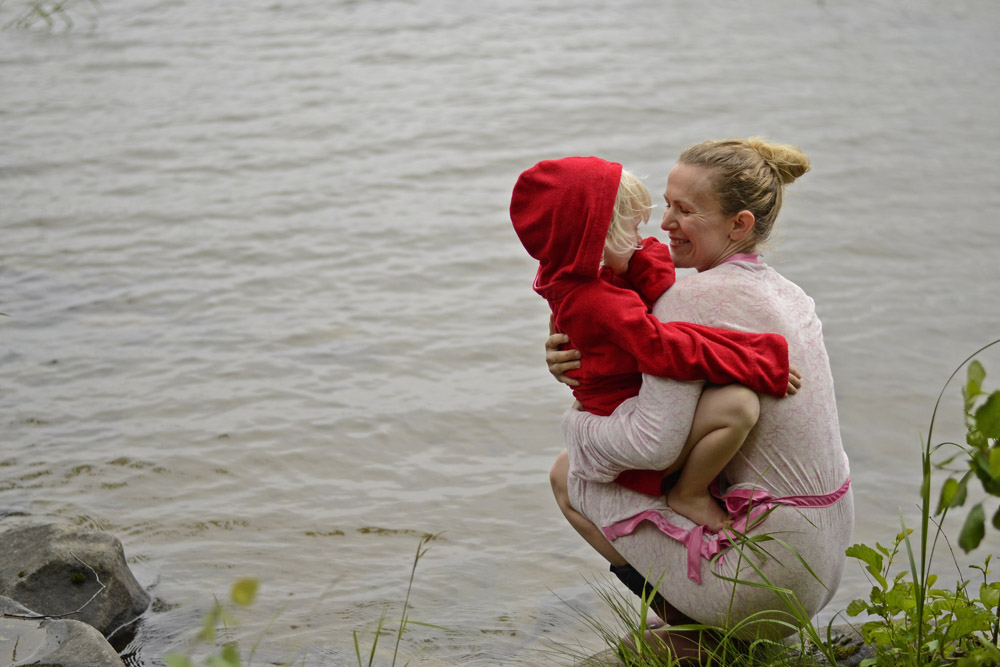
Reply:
x=700, y=236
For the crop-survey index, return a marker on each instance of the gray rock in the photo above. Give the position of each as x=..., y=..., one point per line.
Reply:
x=54, y=643
x=848, y=645
x=8, y=606
x=58, y=571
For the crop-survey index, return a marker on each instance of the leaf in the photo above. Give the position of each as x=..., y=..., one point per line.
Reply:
x=244, y=591
x=989, y=594
x=228, y=657
x=953, y=494
x=964, y=627
x=177, y=660
x=995, y=462
x=996, y=519
x=988, y=416
x=973, y=530
x=856, y=607
x=866, y=555
x=900, y=598
x=208, y=627
x=976, y=439
x=231, y=654
x=974, y=384
x=976, y=373
x=980, y=464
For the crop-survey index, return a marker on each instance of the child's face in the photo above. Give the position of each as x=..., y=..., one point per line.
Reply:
x=618, y=262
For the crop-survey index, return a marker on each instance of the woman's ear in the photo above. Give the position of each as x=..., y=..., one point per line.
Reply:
x=742, y=225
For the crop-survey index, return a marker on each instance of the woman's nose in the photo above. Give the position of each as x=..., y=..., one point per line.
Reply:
x=668, y=220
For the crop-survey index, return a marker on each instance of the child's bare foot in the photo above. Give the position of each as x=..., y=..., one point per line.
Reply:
x=700, y=508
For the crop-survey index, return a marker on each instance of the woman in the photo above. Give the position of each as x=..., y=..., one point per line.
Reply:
x=722, y=198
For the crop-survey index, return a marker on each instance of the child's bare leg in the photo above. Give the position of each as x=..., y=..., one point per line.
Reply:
x=558, y=477
x=721, y=423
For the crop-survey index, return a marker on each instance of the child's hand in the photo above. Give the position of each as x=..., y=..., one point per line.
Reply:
x=794, y=381
x=560, y=361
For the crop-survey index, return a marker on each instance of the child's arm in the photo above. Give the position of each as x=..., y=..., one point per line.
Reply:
x=651, y=270
x=685, y=351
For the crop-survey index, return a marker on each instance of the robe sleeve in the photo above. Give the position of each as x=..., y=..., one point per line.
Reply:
x=651, y=270
x=687, y=352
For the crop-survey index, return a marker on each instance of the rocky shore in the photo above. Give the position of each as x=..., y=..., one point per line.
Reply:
x=67, y=597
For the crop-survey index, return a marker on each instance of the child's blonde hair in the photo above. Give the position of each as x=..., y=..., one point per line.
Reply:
x=633, y=202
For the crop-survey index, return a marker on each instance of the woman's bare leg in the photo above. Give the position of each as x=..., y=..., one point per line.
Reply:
x=559, y=478
x=721, y=423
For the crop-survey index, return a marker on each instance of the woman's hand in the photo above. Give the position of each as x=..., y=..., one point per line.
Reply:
x=794, y=380
x=560, y=361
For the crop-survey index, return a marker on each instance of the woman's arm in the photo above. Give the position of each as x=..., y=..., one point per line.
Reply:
x=638, y=436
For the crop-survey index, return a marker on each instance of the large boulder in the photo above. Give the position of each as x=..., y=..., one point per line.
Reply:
x=59, y=571
x=54, y=643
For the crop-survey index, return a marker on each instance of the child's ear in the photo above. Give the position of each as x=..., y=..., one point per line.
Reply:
x=742, y=225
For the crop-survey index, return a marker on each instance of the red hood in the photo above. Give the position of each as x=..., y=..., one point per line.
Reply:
x=561, y=210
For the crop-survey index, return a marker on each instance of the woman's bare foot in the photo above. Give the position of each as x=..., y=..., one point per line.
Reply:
x=700, y=508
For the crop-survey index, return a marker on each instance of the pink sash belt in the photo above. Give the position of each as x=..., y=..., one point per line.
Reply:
x=744, y=505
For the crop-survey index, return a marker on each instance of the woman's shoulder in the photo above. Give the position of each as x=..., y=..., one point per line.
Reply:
x=743, y=276
x=735, y=292
x=731, y=275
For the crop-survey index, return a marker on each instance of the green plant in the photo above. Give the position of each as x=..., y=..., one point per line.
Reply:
x=404, y=619
x=915, y=623
x=242, y=594
x=982, y=452
x=630, y=639
x=950, y=625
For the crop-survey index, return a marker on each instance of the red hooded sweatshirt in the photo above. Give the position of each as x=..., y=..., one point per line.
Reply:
x=561, y=211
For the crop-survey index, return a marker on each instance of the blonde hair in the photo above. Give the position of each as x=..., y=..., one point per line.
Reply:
x=749, y=174
x=632, y=202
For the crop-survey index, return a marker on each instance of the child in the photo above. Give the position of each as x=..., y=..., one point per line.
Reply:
x=579, y=218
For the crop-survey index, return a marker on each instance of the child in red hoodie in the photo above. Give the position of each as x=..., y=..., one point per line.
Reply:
x=579, y=218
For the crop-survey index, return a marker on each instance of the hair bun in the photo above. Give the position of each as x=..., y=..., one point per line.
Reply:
x=787, y=161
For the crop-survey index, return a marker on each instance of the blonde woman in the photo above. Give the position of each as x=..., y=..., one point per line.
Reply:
x=790, y=477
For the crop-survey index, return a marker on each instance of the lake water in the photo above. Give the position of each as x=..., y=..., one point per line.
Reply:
x=268, y=318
